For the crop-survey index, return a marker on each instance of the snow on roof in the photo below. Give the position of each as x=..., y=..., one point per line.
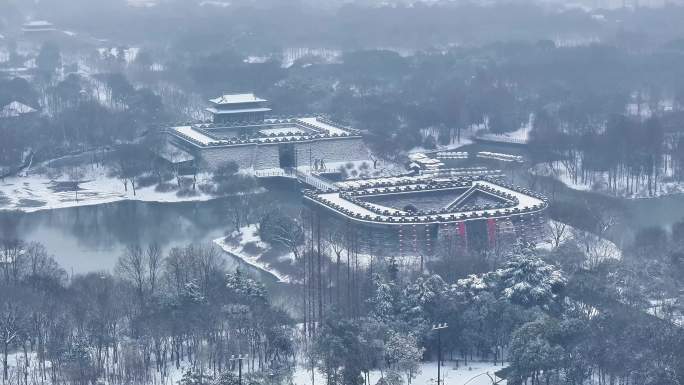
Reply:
x=174, y=154
x=38, y=26
x=236, y=99
x=241, y=111
x=38, y=23
x=296, y=130
x=323, y=126
x=427, y=161
x=337, y=202
x=282, y=131
x=16, y=109
x=189, y=132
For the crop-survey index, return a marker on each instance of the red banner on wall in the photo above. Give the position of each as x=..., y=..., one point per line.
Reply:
x=491, y=231
x=462, y=233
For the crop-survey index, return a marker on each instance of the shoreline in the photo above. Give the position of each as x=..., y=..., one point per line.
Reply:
x=252, y=261
x=37, y=195
x=88, y=203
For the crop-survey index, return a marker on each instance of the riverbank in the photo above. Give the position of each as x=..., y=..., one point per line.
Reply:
x=247, y=246
x=36, y=192
x=598, y=182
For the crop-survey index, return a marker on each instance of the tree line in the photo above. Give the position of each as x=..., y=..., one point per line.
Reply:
x=155, y=316
x=561, y=316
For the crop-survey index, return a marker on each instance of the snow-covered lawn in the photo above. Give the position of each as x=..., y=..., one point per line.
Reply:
x=248, y=246
x=476, y=373
x=668, y=309
x=596, y=249
x=520, y=135
x=36, y=192
x=364, y=169
x=666, y=184
x=558, y=171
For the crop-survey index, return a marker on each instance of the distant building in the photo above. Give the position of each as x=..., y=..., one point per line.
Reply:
x=238, y=108
x=241, y=133
x=428, y=214
x=38, y=27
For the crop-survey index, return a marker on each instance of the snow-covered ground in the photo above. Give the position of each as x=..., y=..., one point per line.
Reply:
x=364, y=169
x=465, y=139
x=248, y=246
x=596, y=249
x=476, y=373
x=128, y=54
x=521, y=135
x=36, y=192
x=666, y=184
x=668, y=309
x=561, y=173
x=291, y=55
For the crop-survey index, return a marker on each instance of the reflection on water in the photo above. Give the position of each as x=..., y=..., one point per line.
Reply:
x=633, y=215
x=91, y=238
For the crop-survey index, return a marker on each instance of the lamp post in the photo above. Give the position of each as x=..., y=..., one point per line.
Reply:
x=438, y=328
x=239, y=358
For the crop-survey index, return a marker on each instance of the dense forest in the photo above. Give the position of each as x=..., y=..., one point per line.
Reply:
x=594, y=110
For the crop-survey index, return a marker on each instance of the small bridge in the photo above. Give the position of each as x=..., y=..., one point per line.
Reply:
x=306, y=177
x=314, y=180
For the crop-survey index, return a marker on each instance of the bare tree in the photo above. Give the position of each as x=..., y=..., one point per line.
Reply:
x=129, y=164
x=12, y=320
x=154, y=261
x=75, y=175
x=559, y=231
x=336, y=244
x=133, y=267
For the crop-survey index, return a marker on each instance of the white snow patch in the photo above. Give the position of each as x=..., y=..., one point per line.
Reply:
x=33, y=193
x=595, y=248
x=476, y=373
x=598, y=181
x=235, y=245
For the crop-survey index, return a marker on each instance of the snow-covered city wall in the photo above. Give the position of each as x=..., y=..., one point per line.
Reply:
x=332, y=150
x=266, y=156
x=215, y=156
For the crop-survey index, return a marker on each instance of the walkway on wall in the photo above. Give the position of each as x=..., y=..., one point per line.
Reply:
x=313, y=180
x=303, y=175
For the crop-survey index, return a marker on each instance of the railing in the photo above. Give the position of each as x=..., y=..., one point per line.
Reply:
x=309, y=179
x=314, y=181
x=273, y=172
x=500, y=139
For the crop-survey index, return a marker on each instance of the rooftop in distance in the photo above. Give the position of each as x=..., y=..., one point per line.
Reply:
x=237, y=99
x=38, y=23
x=38, y=26
x=420, y=199
x=269, y=131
